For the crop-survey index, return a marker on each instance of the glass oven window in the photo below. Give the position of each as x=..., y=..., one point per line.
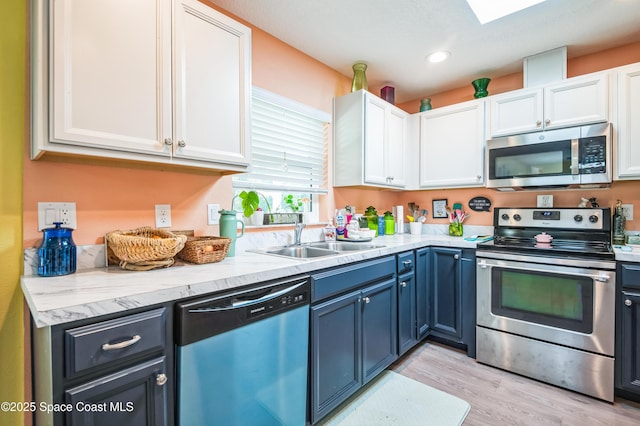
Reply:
x=561, y=301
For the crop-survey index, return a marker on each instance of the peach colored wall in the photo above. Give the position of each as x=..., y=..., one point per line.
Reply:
x=121, y=197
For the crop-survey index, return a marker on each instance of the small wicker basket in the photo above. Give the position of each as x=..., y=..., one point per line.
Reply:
x=145, y=248
x=205, y=249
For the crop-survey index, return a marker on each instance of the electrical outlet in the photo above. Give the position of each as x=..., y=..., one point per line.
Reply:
x=50, y=213
x=213, y=214
x=163, y=216
x=545, y=201
x=627, y=211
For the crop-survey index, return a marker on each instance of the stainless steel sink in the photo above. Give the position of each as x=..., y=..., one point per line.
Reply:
x=344, y=246
x=301, y=252
x=316, y=249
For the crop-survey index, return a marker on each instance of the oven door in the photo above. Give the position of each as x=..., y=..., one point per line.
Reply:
x=570, y=303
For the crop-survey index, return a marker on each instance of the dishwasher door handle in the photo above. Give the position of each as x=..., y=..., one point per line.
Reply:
x=238, y=303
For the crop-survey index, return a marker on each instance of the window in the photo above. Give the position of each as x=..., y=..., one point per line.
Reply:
x=288, y=152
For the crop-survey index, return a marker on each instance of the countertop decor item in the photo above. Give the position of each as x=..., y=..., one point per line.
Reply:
x=205, y=249
x=145, y=248
x=229, y=228
x=425, y=104
x=480, y=85
x=57, y=253
x=456, y=217
x=618, y=224
x=359, y=77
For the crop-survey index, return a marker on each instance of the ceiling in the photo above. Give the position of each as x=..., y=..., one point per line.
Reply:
x=393, y=37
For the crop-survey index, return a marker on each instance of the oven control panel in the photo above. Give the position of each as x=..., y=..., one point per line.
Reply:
x=565, y=218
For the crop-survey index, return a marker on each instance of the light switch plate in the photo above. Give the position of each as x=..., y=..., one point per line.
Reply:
x=213, y=214
x=545, y=201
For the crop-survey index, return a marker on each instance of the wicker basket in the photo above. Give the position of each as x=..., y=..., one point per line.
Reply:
x=145, y=248
x=205, y=249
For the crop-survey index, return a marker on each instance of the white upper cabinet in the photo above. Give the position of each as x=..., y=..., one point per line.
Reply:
x=628, y=130
x=150, y=80
x=452, y=141
x=369, y=141
x=576, y=101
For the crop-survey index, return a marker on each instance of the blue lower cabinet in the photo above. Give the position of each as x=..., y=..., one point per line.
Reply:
x=452, y=294
x=353, y=338
x=407, y=307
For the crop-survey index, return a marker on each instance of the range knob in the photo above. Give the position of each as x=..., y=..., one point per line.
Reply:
x=578, y=218
x=505, y=216
x=517, y=217
x=593, y=218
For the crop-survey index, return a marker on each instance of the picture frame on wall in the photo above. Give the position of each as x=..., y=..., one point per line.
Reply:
x=440, y=208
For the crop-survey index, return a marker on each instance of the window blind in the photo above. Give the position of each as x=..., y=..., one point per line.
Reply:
x=288, y=146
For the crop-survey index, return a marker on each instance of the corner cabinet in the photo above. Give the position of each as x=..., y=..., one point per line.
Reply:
x=452, y=141
x=628, y=149
x=453, y=295
x=171, y=85
x=112, y=370
x=369, y=141
x=576, y=101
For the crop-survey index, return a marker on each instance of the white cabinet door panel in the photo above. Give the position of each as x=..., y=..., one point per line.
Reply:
x=583, y=101
x=210, y=74
x=513, y=114
x=374, y=143
x=628, y=152
x=452, y=146
x=107, y=90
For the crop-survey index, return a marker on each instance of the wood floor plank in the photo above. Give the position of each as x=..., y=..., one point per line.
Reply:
x=499, y=397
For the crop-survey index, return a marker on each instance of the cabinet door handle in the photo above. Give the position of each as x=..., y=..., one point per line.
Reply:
x=547, y=121
x=407, y=263
x=366, y=300
x=456, y=257
x=627, y=302
x=121, y=345
x=168, y=141
x=538, y=123
x=182, y=143
x=403, y=284
x=161, y=379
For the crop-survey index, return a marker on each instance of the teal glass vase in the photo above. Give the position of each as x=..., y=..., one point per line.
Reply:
x=480, y=85
x=359, y=77
x=425, y=104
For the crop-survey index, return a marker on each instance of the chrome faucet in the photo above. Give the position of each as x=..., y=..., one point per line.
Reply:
x=297, y=233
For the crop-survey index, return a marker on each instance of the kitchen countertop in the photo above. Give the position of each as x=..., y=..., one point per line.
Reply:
x=623, y=253
x=94, y=292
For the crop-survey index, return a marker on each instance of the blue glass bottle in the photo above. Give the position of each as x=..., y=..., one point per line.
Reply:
x=57, y=252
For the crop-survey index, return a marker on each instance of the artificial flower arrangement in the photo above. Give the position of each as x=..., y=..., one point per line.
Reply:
x=456, y=217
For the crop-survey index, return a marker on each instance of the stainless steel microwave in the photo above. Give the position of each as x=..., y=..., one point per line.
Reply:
x=565, y=158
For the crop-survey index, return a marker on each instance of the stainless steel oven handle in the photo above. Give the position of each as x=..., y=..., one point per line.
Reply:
x=482, y=264
x=599, y=276
x=603, y=278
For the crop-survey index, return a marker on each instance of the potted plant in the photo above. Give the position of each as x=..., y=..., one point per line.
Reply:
x=250, y=201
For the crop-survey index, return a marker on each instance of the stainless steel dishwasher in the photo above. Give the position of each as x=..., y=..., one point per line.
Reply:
x=242, y=356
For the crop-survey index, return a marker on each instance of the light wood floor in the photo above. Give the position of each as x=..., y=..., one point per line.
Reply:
x=498, y=397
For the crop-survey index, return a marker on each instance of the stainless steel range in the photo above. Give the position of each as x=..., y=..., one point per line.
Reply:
x=546, y=297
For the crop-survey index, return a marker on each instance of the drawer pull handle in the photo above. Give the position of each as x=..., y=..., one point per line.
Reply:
x=121, y=345
x=403, y=284
x=366, y=300
x=407, y=263
x=161, y=379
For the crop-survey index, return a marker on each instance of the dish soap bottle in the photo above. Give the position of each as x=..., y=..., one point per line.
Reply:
x=329, y=232
x=618, y=224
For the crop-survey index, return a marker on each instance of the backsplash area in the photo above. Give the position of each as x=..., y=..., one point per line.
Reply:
x=93, y=256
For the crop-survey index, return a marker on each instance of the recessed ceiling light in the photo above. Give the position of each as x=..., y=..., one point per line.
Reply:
x=490, y=10
x=438, y=56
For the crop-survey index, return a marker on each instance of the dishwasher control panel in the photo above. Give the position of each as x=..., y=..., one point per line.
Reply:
x=205, y=317
x=285, y=302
